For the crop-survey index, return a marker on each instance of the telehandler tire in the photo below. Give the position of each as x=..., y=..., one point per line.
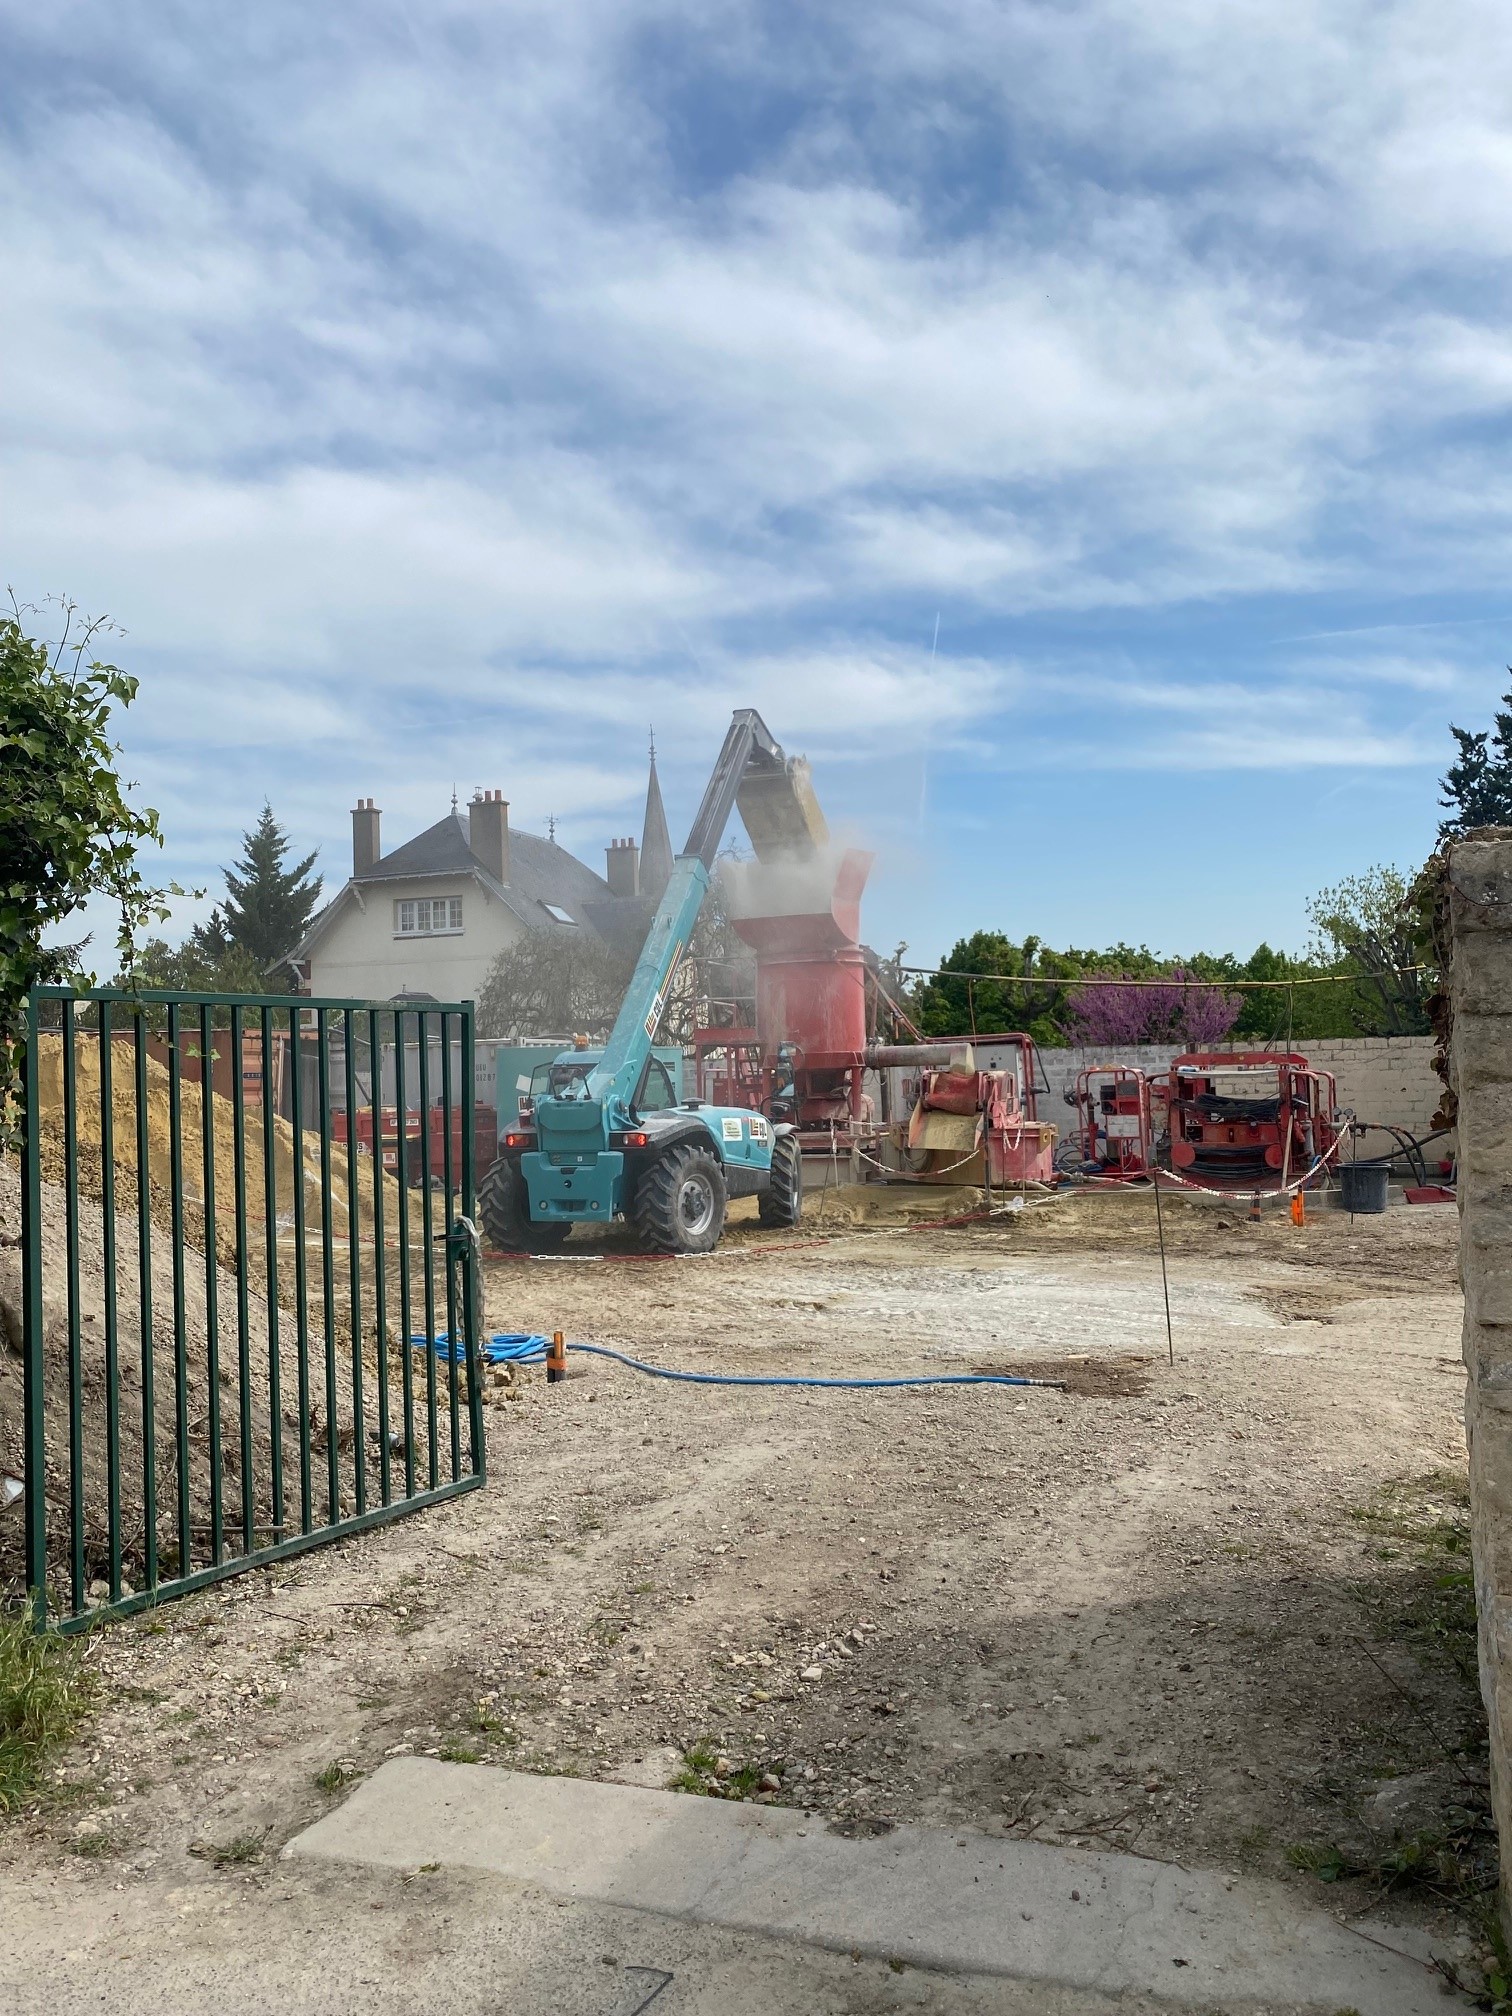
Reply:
x=680, y=1201
x=505, y=1212
x=782, y=1201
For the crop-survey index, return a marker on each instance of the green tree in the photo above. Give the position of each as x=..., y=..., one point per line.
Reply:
x=989, y=983
x=554, y=983
x=1479, y=785
x=67, y=831
x=1369, y=929
x=268, y=906
x=189, y=969
x=1291, y=1008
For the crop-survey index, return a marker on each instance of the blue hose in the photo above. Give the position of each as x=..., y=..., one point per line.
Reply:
x=520, y=1347
x=774, y=1379
x=505, y=1347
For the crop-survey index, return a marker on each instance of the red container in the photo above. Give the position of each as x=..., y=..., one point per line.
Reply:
x=485, y=1140
x=811, y=974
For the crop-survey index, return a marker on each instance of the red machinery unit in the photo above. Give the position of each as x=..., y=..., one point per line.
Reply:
x=1249, y=1118
x=975, y=1127
x=1113, y=1114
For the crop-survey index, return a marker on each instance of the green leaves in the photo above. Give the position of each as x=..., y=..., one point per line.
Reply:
x=1479, y=785
x=1372, y=928
x=67, y=831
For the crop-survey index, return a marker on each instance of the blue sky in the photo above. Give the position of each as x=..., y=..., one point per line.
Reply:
x=440, y=394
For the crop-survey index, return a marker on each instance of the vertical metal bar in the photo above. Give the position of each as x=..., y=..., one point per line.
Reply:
x=301, y=1268
x=144, y=1293
x=328, y=1268
x=354, y=1243
x=212, y=1283
x=270, y=1257
x=243, y=1269
x=1165, y=1279
x=407, y=1362
x=472, y=1307
x=112, y=1328
x=455, y=1358
x=428, y=1252
x=180, y=1317
x=380, y=1254
x=78, y=1578
x=33, y=1399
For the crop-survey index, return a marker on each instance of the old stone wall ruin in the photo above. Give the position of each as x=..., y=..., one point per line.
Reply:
x=1478, y=903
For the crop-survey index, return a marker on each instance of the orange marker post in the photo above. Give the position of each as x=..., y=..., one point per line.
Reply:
x=1298, y=1210
x=556, y=1358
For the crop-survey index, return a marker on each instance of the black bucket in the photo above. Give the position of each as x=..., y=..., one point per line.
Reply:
x=1362, y=1186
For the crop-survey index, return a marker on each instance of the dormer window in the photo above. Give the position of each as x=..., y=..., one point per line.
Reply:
x=428, y=917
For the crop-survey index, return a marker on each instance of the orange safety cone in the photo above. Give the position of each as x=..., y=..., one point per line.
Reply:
x=556, y=1358
x=1298, y=1209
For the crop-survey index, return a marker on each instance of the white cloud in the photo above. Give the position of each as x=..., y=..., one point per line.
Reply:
x=471, y=376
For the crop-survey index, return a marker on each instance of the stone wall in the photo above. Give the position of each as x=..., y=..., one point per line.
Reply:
x=1480, y=1071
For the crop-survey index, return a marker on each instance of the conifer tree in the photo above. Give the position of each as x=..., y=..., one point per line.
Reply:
x=268, y=906
x=1479, y=785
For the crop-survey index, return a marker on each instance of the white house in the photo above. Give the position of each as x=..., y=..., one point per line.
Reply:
x=431, y=917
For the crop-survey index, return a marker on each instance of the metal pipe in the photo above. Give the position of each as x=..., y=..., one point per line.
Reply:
x=933, y=1056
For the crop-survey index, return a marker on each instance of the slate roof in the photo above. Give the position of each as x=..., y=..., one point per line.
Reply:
x=540, y=873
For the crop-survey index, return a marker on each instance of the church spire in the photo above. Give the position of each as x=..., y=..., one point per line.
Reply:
x=656, y=841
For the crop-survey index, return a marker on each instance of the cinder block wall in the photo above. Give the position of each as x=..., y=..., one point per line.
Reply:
x=1389, y=1079
x=1480, y=1068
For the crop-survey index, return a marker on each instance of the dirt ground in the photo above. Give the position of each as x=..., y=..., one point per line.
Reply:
x=1188, y=1610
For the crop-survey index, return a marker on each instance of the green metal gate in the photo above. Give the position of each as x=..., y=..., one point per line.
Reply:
x=249, y=1284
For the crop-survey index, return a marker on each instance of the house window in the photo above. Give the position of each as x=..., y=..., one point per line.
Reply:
x=427, y=916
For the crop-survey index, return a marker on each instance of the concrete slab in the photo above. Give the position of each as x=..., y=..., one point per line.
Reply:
x=334, y=1939
x=952, y=1902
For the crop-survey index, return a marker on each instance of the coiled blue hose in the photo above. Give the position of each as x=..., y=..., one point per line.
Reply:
x=505, y=1347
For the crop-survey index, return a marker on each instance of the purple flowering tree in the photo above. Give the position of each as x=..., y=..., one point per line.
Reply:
x=1176, y=1009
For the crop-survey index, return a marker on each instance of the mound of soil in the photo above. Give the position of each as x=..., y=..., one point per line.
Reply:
x=224, y=1361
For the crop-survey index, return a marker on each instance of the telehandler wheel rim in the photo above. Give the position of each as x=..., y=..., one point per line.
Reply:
x=696, y=1204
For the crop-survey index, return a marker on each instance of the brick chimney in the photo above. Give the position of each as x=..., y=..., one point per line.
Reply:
x=365, y=850
x=488, y=832
x=623, y=875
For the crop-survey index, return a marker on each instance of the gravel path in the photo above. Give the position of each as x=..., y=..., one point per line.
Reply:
x=1142, y=1616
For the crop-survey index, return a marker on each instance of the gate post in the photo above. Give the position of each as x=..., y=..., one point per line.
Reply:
x=1478, y=980
x=34, y=1436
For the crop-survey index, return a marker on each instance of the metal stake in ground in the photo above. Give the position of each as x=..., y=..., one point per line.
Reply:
x=1165, y=1283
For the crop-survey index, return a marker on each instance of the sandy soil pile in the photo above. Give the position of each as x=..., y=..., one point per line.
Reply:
x=160, y=1146
x=220, y=1364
